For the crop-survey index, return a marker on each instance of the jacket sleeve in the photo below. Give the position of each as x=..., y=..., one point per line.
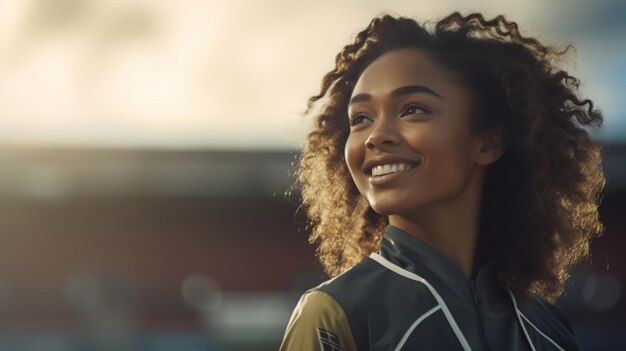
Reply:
x=318, y=323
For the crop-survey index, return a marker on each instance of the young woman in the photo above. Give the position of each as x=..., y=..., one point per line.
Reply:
x=450, y=184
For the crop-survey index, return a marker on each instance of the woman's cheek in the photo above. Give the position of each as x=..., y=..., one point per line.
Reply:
x=353, y=155
x=443, y=160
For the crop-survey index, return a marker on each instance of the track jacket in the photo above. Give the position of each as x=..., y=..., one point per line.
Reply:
x=408, y=296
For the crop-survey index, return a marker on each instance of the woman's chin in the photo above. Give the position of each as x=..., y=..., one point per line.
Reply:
x=386, y=208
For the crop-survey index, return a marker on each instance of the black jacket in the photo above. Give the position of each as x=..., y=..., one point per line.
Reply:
x=408, y=296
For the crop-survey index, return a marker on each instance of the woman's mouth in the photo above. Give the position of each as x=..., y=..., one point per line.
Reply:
x=383, y=174
x=391, y=168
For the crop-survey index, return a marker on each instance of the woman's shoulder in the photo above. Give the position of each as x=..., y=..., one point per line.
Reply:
x=353, y=280
x=369, y=282
x=549, y=320
x=329, y=314
x=318, y=323
x=539, y=306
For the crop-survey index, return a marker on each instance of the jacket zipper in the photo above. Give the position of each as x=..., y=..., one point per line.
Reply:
x=477, y=313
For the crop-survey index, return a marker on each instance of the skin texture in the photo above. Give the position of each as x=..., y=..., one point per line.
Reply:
x=432, y=130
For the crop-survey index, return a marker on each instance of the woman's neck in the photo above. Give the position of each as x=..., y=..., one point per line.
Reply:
x=450, y=227
x=456, y=243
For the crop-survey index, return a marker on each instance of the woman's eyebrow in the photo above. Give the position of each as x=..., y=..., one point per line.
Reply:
x=409, y=89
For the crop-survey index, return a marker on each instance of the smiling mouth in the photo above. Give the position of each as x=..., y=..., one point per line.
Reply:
x=390, y=168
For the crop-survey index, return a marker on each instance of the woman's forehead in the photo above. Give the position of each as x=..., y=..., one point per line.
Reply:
x=403, y=67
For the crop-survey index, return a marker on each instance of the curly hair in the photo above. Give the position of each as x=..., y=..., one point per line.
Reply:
x=539, y=206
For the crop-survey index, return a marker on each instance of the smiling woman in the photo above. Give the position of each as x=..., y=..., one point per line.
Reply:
x=406, y=124
x=450, y=183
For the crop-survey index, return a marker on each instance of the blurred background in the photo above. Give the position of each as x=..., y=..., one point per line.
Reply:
x=146, y=146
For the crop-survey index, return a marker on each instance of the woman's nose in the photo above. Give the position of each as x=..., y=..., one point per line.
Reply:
x=383, y=134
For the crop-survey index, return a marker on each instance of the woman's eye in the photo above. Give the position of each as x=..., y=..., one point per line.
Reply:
x=414, y=109
x=358, y=119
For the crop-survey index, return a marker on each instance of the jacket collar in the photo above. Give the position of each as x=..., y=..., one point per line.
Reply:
x=412, y=254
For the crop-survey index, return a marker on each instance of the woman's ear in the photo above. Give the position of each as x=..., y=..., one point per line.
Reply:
x=491, y=148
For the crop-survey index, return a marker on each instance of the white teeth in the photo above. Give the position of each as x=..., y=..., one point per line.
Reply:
x=390, y=168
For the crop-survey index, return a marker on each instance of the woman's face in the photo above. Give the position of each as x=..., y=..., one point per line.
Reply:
x=410, y=144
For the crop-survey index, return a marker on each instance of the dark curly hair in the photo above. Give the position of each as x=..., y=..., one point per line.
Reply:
x=540, y=200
